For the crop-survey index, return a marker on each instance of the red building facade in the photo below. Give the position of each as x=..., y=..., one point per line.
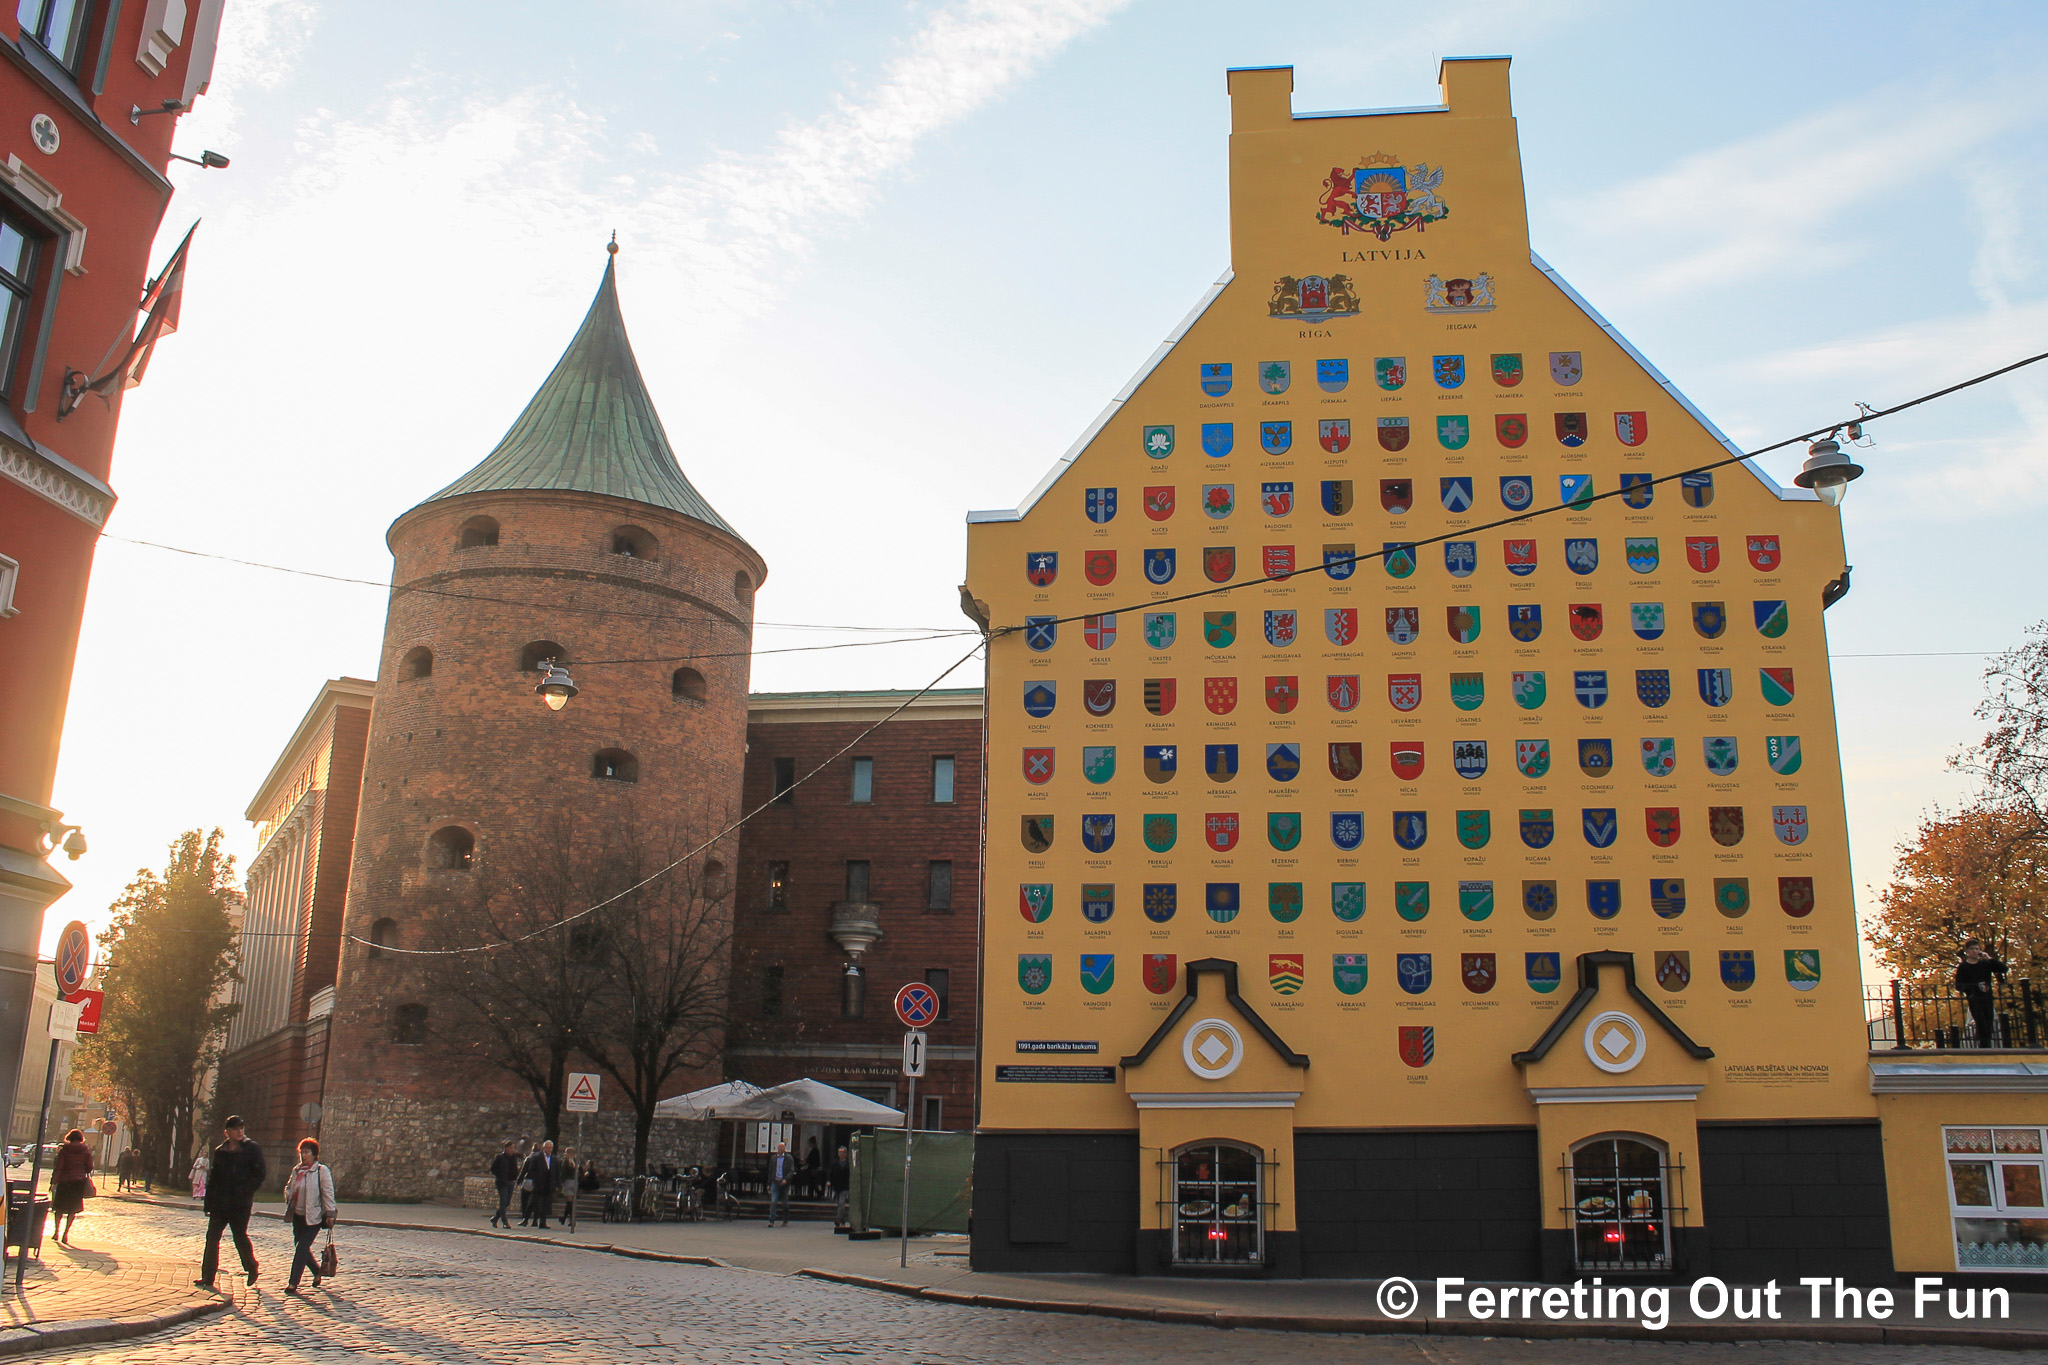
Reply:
x=90, y=92
x=854, y=883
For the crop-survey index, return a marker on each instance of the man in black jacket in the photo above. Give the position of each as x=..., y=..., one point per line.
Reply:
x=1973, y=979
x=505, y=1170
x=231, y=1187
x=540, y=1169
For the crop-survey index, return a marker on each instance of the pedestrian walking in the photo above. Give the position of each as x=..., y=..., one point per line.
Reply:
x=1973, y=980
x=309, y=1202
x=538, y=1177
x=841, y=1179
x=124, y=1168
x=781, y=1167
x=200, y=1166
x=505, y=1170
x=814, y=1171
x=236, y=1174
x=70, y=1183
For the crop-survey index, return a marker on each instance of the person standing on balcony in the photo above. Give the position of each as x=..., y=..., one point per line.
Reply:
x=1973, y=980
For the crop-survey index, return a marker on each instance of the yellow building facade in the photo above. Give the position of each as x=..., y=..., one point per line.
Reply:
x=1373, y=887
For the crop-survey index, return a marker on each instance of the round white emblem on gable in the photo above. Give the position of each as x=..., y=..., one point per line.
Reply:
x=1212, y=1049
x=1615, y=1042
x=43, y=129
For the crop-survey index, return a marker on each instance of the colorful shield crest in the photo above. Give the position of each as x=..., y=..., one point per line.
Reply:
x=1337, y=492
x=1275, y=376
x=1511, y=429
x=1404, y=624
x=1417, y=1042
x=1738, y=968
x=1777, y=686
x=1348, y=972
x=1764, y=555
x=1662, y=823
x=1660, y=755
x=1795, y=896
x=1589, y=685
x=1507, y=370
x=1099, y=695
x=1697, y=488
x=1280, y=627
x=1098, y=972
x=1475, y=900
x=1390, y=372
x=1447, y=370
x=1277, y=560
x=1283, y=832
x=1219, y=829
x=1571, y=429
x=1517, y=491
x=1673, y=968
x=1475, y=830
x=1037, y=833
x=1653, y=687
x=1220, y=899
x=1347, y=760
x=1411, y=900
x=1717, y=686
x=1099, y=566
x=1463, y=623
x=1397, y=495
x=1406, y=758
x=1565, y=368
x=1040, y=698
x=1455, y=492
x=1404, y=690
x=1219, y=500
x=1158, y=442
x=1412, y=970
x=1342, y=690
x=1453, y=431
x=1162, y=761
x=1476, y=970
x=1525, y=621
x=1703, y=552
x=1098, y=833
x=1099, y=632
x=1040, y=632
x=1725, y=824
x=1575, y=490
x=1532, y=757
x=1218, y=439
x=1334, y=435
x=1802, y=968
x=1159, y=566
x=1340, y=624
x=1520, y=555
x=1277, y=498
x=1789, y=823
x=1468, y=691
x=1220, y=762
x=1526, y=686
x=1034, y=972
x=1709, y=619
x=1586, y=620
x=1347, y=829
x=1347, y=901
x=1333, y=375
x=1538, y=829
x=1581, y=554
x=1219, y=563
x=1468, y=758
x=1638, y=490
x=1100, y=504
x=1600, y=825
x=1219, y=629
x=1284, y=972
x=1646, y=619
x=1098, y=762
x=1641, y=553
x=1034, y=902
x=1731, y=896
x=1603, y=897
x=1393, y=433
x=1162, y=832
x=1631, y=428
x=1161, y=970
x=1220, y=695
x=1721, y=754
x=1772, y=619
x=1283, y=763
x=1162, y=900
x=1461, y=557
x=1539, y=899
x=1596, y=757
x=1041, y=567
x=1782, y=752
x=1161, y=629
x=1159, y=502
x=1543, y=971
x=1340, y=561
x=1283, y=692
x=1276, y=438
x=1038, y=766
x=1098, y=901
x=1667, y=897
x=1215, y=377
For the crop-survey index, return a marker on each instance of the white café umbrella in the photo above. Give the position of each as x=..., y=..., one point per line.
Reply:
x=809, y=1101
x=712, y=1102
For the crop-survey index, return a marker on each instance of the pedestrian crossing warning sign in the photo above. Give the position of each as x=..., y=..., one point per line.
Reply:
x=583, y=1086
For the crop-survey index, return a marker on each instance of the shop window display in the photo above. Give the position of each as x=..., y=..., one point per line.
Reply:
x=1996, y=1194
x=1218, y=1217
x=1620, y=1205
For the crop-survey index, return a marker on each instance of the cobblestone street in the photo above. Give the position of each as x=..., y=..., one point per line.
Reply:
x=422, y=1296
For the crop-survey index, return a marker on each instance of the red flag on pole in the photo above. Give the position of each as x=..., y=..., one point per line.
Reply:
x=160, y=304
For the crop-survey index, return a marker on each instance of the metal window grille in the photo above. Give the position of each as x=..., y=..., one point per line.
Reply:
x=1215, y=1198
x=1624, y=1197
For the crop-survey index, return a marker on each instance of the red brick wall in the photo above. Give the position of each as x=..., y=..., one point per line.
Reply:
x=898, y=834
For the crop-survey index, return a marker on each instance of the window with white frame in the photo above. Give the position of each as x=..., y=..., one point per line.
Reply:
x=1996, y=1181
x=10, y=574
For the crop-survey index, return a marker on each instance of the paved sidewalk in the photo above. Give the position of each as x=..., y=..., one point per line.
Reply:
x=97, y=1290
x=938, y=1271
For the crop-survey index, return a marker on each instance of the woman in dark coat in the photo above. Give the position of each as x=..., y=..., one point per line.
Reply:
x=70, y=1182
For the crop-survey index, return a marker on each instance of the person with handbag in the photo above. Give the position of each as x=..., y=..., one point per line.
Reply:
x=309, y=1200
x=70, y=1183
x=539, y=1177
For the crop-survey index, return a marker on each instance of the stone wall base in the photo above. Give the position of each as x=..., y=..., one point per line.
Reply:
x=397, y=1148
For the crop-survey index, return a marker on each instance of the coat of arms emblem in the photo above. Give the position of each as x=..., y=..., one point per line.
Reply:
x=1275, y=376
x=1162, y=900
x=1347, y=760
x=1789, y=823
x=1382, y=197
x=1099, y=695
x=1586, y=620
x=1738, y=968
x=1161, y=832
x=1418, y=1044
x=1159, y=501
x=1725, y=824
x=1311, y=298
x=1795, y=896
x=1667, y=897
x=1219, y=563
x=1215, y=377
x=1390, y=372
x=1161, y=627
x=1404, y=690
x=1283, y=692
x=1340, y=561
x=1342, y=690
x=1404, y=624
x=1283, y=901
x=1098, y=833
x=1041, y=567
x=1539, y=899
x=1406, y=757
x=1340, y=624
x=1731, y=896
x=1034, y=972
x=1037, y=833
x=1347, y=903
x=1543, y=971
x=1476, y=970
x=1219, y=629
x=1673, y=969
x=1333, y=375
x=1763, y=554
x=1462, y=623
x=1218, y=438
x=1160, y=971
x=1221, y=900
x=1565, y=369
x=1458, y=295
x=1220, y=830
x=1349, y=970
x=1034, y=902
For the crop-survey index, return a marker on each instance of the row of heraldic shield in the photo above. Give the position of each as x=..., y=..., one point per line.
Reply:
x=1529, y=688
x=1408, y=758
x=1403, y=626
x=1221, y=830
x=1453, y=432
x=1390, y=372
x=1286, y=973
x=1284, y=900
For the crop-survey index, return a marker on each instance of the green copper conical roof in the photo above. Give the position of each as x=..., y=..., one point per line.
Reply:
x=592, y=428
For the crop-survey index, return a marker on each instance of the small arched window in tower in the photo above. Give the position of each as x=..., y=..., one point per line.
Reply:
x=743, y=588
x=615, y=765
x=717, y=882
x=687, y=684
x=409, y=1025
x=382, y=932
x=452, y=849
x=633, y=543
x=479, y=531
x=418, y=663
x=539, y=652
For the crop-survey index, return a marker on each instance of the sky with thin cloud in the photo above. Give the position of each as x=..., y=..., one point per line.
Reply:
x=883, y=262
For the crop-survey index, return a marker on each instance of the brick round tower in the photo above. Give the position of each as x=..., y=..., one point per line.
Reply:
x=579, y=539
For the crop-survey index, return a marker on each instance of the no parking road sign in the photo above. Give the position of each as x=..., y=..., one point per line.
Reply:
x=917, y=1005
x=74, y=958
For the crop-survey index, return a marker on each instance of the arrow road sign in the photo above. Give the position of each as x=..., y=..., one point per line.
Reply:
x=583, y=1087
x=917, y=1005
x=913, y=1053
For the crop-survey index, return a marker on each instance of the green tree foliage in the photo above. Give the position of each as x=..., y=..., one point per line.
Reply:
x=165, y=959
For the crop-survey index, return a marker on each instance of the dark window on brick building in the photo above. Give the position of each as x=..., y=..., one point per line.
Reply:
x=940, y=979
x=18, y=252
x=717, y=881
x=633, y=543
x=743, y=588
x=58, y=26
x=615, y=765
x=479, y=531
x=934, y=1111
x=778, y=886
x=938, y=886
x=687, y=684
x=539, y=652
x=452, y=849
x=942, y=779
x=381, y=933
x=863, y=781
x=785, y=781
x=771, y=992
x=419, y=662
x=409, y=1025
x=857, y=881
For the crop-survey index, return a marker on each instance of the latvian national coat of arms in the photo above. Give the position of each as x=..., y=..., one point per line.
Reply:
x=1382, y=197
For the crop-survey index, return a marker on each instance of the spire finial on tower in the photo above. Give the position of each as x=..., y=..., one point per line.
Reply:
x=612, y=247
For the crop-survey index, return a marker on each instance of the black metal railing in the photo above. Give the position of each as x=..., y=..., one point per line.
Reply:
x=1906, y=1014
